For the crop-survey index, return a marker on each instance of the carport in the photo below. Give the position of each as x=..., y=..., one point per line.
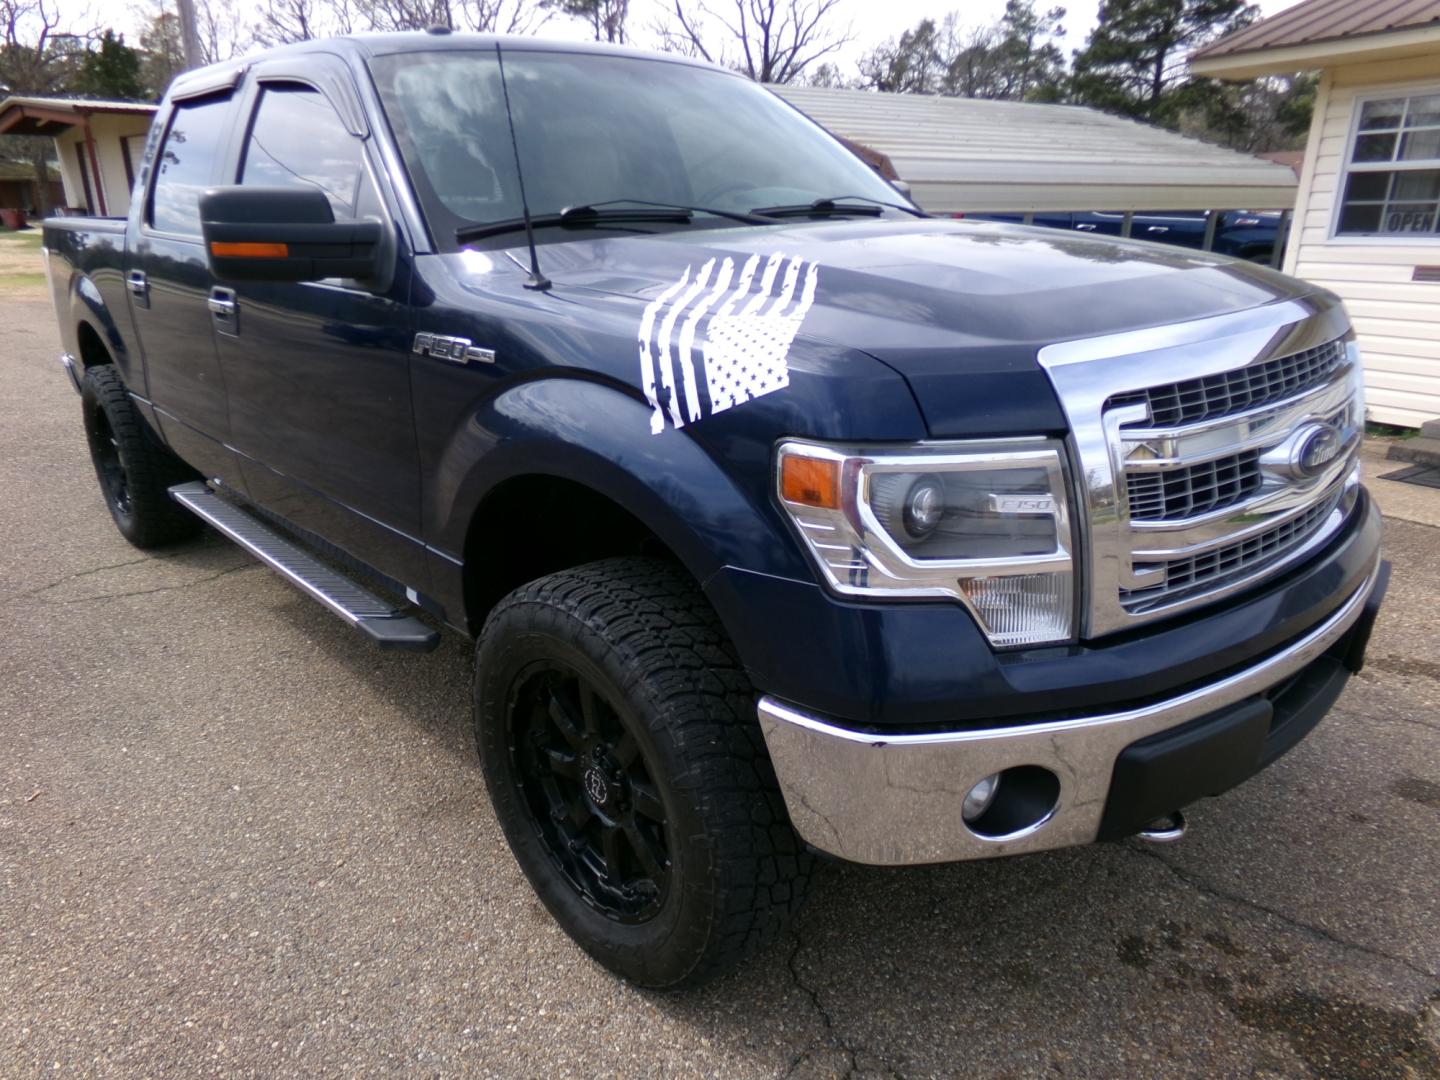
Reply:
x=969, y=156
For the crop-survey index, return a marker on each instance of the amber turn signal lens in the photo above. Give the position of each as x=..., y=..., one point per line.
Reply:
x=238, y=249
x=810, y=481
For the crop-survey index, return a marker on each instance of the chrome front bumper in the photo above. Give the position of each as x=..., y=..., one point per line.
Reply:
x=893, y=800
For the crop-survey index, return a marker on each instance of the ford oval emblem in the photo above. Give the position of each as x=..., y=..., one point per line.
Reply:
x=1316, y=448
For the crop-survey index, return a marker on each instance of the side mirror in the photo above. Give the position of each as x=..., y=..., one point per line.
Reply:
x=284, y=234
x=901, y=186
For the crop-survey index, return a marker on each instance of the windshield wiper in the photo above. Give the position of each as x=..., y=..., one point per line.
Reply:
x=752, y=218
x=838, y=205
x=572, y=217
x=616, y=211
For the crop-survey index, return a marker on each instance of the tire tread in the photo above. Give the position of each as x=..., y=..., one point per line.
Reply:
x=151, y=469
x=657, y=619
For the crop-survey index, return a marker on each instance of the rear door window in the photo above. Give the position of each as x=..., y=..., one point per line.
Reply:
x=186, y=165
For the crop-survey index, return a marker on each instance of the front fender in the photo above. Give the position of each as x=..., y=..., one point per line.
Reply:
x=583, y=430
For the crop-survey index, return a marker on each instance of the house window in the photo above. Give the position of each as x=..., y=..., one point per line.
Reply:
x=1392, y=177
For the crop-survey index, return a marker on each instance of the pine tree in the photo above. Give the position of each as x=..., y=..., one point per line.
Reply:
x=1135, y=57
x=110, y=69
x=1031, y=63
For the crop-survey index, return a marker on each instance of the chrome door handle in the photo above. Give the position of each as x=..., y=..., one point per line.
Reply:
x=1158, y=228
x=224, y=311
x=139, y=287
x=1085, y=228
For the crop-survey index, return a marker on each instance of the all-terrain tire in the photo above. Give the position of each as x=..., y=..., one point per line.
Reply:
x=669, y=696
x=134, y=469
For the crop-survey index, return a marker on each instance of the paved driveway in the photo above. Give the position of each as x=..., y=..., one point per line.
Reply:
x=236, y=840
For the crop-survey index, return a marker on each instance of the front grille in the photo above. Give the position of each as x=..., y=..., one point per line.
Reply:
x=1200, y=495
x=1193, y=400
x=1175, y=494
x=1219, y=565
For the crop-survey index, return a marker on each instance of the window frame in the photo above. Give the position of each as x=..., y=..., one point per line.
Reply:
x=235, y=164
x=1347, y=167
x=335, y=84
x=147, y=207
x=85, y=190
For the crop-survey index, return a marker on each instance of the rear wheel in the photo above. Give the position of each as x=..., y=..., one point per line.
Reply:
x=618, y=737
x=135, y=471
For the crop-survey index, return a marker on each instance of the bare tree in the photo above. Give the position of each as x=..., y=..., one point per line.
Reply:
x=284, y=22
x=772, y=41
x=36, y=57
x=605, y=17
x=223, y=34
x=485, y=16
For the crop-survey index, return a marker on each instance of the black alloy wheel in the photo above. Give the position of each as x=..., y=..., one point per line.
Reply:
x=105, y=452
x=618, y=736
x=599, y=813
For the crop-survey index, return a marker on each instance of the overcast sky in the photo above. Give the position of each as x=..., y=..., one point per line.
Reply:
x=876, y=20
x=871, y=21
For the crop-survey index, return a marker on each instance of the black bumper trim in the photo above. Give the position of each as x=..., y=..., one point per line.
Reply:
x=1215, y=753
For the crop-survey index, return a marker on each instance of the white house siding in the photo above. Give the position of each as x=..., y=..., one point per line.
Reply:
x=108, y=130
x=1397, y=320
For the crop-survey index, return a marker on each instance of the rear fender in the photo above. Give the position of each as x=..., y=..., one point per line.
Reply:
x=87, y=307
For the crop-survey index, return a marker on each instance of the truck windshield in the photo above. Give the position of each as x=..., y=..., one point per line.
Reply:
x=594, y=128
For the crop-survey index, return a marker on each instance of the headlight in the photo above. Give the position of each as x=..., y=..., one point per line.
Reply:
x=982, y=523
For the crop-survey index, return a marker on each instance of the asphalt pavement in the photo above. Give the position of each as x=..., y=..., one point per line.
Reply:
x=236, y=840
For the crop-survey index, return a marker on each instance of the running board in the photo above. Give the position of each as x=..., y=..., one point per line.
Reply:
x=390, y=627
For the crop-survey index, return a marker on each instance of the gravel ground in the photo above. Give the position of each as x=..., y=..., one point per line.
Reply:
x=235, y=840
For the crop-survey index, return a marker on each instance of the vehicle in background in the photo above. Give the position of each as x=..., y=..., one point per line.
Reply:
x=1244, y=234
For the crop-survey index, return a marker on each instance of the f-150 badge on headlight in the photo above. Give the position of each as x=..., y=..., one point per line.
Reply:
x=744, y=345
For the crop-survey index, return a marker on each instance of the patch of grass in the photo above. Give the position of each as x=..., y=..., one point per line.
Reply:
x=29, y=239
x=1377, y=430
x=15, y=282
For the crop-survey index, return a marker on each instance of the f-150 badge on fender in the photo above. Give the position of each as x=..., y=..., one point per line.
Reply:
x=744, y=345
x=457, y=350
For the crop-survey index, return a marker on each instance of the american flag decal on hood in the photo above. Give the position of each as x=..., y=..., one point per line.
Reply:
x=740, y=325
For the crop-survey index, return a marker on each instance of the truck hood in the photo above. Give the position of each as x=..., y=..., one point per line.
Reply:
x=959, y=309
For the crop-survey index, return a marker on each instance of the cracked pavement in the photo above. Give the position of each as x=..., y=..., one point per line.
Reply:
x=236, y=840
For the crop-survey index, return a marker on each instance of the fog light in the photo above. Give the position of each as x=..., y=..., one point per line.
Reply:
x=979, y=798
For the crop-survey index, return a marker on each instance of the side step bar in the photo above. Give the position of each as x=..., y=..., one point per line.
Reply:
x=390, y=627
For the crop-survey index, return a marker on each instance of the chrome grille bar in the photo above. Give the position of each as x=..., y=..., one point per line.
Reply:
x=1177, y=494
x=1230, y=562
x=1174, y=404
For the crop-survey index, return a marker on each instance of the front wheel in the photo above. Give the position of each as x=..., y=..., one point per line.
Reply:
x=619, y=742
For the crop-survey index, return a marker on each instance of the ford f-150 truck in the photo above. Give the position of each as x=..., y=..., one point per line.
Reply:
x=786, y=520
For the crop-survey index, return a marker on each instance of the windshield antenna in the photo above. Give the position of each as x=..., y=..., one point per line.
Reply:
x=537, y=280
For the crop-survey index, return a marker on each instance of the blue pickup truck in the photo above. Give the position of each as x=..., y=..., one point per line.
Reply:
x=788, y=522
x=1244, y=234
